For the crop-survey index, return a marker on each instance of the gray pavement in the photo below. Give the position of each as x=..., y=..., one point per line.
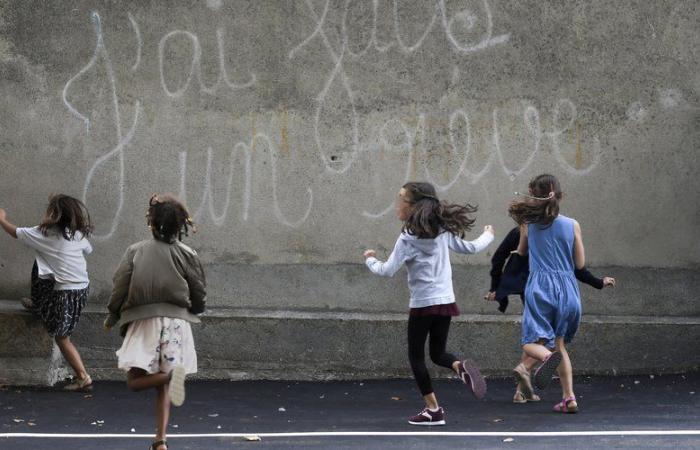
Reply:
x=218, y=414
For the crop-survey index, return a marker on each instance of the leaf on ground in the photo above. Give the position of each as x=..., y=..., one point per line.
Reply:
x=508, y=440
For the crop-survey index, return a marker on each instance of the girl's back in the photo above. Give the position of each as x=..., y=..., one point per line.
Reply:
x=551, y=247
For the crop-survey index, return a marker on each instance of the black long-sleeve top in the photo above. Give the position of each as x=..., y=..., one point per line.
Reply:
x=509, y=271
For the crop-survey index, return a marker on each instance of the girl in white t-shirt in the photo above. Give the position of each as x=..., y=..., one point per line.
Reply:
x=60, y=283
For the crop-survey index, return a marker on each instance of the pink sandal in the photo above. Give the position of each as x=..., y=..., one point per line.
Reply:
x=567, y=406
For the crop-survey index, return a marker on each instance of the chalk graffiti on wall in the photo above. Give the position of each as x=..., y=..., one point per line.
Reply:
x=411, y=131
x=562, y=124
x=337, y=57
x=123, y=139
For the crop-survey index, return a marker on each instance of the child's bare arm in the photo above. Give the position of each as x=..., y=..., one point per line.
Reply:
x=7, y=226
x=579, y=252
x=522, y=245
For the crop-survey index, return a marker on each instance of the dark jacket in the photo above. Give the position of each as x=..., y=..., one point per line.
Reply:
x=509, y=271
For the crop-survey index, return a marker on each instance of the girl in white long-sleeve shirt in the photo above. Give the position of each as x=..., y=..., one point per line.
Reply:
x=430, y=230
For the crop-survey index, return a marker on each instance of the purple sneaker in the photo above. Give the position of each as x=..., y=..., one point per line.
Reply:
x=428, y=417
x=470, y=375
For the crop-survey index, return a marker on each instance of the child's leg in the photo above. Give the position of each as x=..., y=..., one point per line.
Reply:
x=565, y=370
x=418, y=328
x=70, y=353
x=537, y=351
x=524, y=391
x=139, y=380
x=439, y=330
x=162, y=413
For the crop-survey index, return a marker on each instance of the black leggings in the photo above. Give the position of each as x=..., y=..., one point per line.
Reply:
x=418, y=330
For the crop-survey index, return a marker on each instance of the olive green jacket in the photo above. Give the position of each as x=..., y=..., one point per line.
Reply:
x=156, y=279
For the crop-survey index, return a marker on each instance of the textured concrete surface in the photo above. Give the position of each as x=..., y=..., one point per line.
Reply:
x=292, y=345
x=289, y=126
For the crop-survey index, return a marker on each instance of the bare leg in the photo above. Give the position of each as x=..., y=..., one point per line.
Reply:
x=528, y=362
x=162, y=413
x=139, y=380
x=431, y=401
x=537, y=351
x=521, y=389
x=565, y=370
x=70, y=353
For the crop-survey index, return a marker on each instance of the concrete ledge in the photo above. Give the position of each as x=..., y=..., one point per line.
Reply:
x=297, y=345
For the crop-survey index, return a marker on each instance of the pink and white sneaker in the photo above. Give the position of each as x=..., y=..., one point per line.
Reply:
x=428, y=417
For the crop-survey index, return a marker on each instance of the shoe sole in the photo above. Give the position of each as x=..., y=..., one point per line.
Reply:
x=177, y=386
x=543, y=375
x=476, y=380
x=429, y=424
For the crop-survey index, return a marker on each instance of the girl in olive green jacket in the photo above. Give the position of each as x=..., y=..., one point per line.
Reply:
x=159, y=288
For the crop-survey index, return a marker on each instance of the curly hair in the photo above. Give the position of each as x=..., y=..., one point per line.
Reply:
x=168, y=218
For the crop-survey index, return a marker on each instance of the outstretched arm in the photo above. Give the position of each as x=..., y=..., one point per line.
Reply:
x=585, y=276
x=392, y=265
x=7, y=226
x=470, y=247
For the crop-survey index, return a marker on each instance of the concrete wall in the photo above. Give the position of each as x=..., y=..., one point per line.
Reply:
x=288, y=127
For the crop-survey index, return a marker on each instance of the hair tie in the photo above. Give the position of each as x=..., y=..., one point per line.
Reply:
x=549, y=197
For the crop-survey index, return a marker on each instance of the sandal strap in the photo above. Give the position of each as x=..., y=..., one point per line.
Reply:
x=157, y=444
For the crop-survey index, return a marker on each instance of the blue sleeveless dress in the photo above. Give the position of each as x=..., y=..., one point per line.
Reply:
x=552, y=298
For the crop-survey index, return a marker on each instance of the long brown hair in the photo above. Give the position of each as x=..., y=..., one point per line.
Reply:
x=429, y=216
x=168, y=218
x=66, y=215
x=542, y=205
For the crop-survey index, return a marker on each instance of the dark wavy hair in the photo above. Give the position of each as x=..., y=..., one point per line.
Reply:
x=542, y=205
x=429, y=216
x=67, y=216
x=168, y=218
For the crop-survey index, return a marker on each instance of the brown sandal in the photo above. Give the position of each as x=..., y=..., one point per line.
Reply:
x=80, y=385
x=156, y=444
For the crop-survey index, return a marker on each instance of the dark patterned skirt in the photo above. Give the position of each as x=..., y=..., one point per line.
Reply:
x=59, y=310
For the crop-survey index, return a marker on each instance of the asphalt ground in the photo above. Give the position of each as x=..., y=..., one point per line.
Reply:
x=640, y=412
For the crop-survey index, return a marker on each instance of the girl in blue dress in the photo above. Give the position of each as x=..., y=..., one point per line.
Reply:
x=552, y=299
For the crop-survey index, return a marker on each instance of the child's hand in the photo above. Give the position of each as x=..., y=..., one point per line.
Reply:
x=370, y=253
x=491, y=296
x=608, y=281
x=489, y=229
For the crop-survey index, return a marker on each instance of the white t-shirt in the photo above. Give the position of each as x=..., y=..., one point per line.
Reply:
x=59, y=258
